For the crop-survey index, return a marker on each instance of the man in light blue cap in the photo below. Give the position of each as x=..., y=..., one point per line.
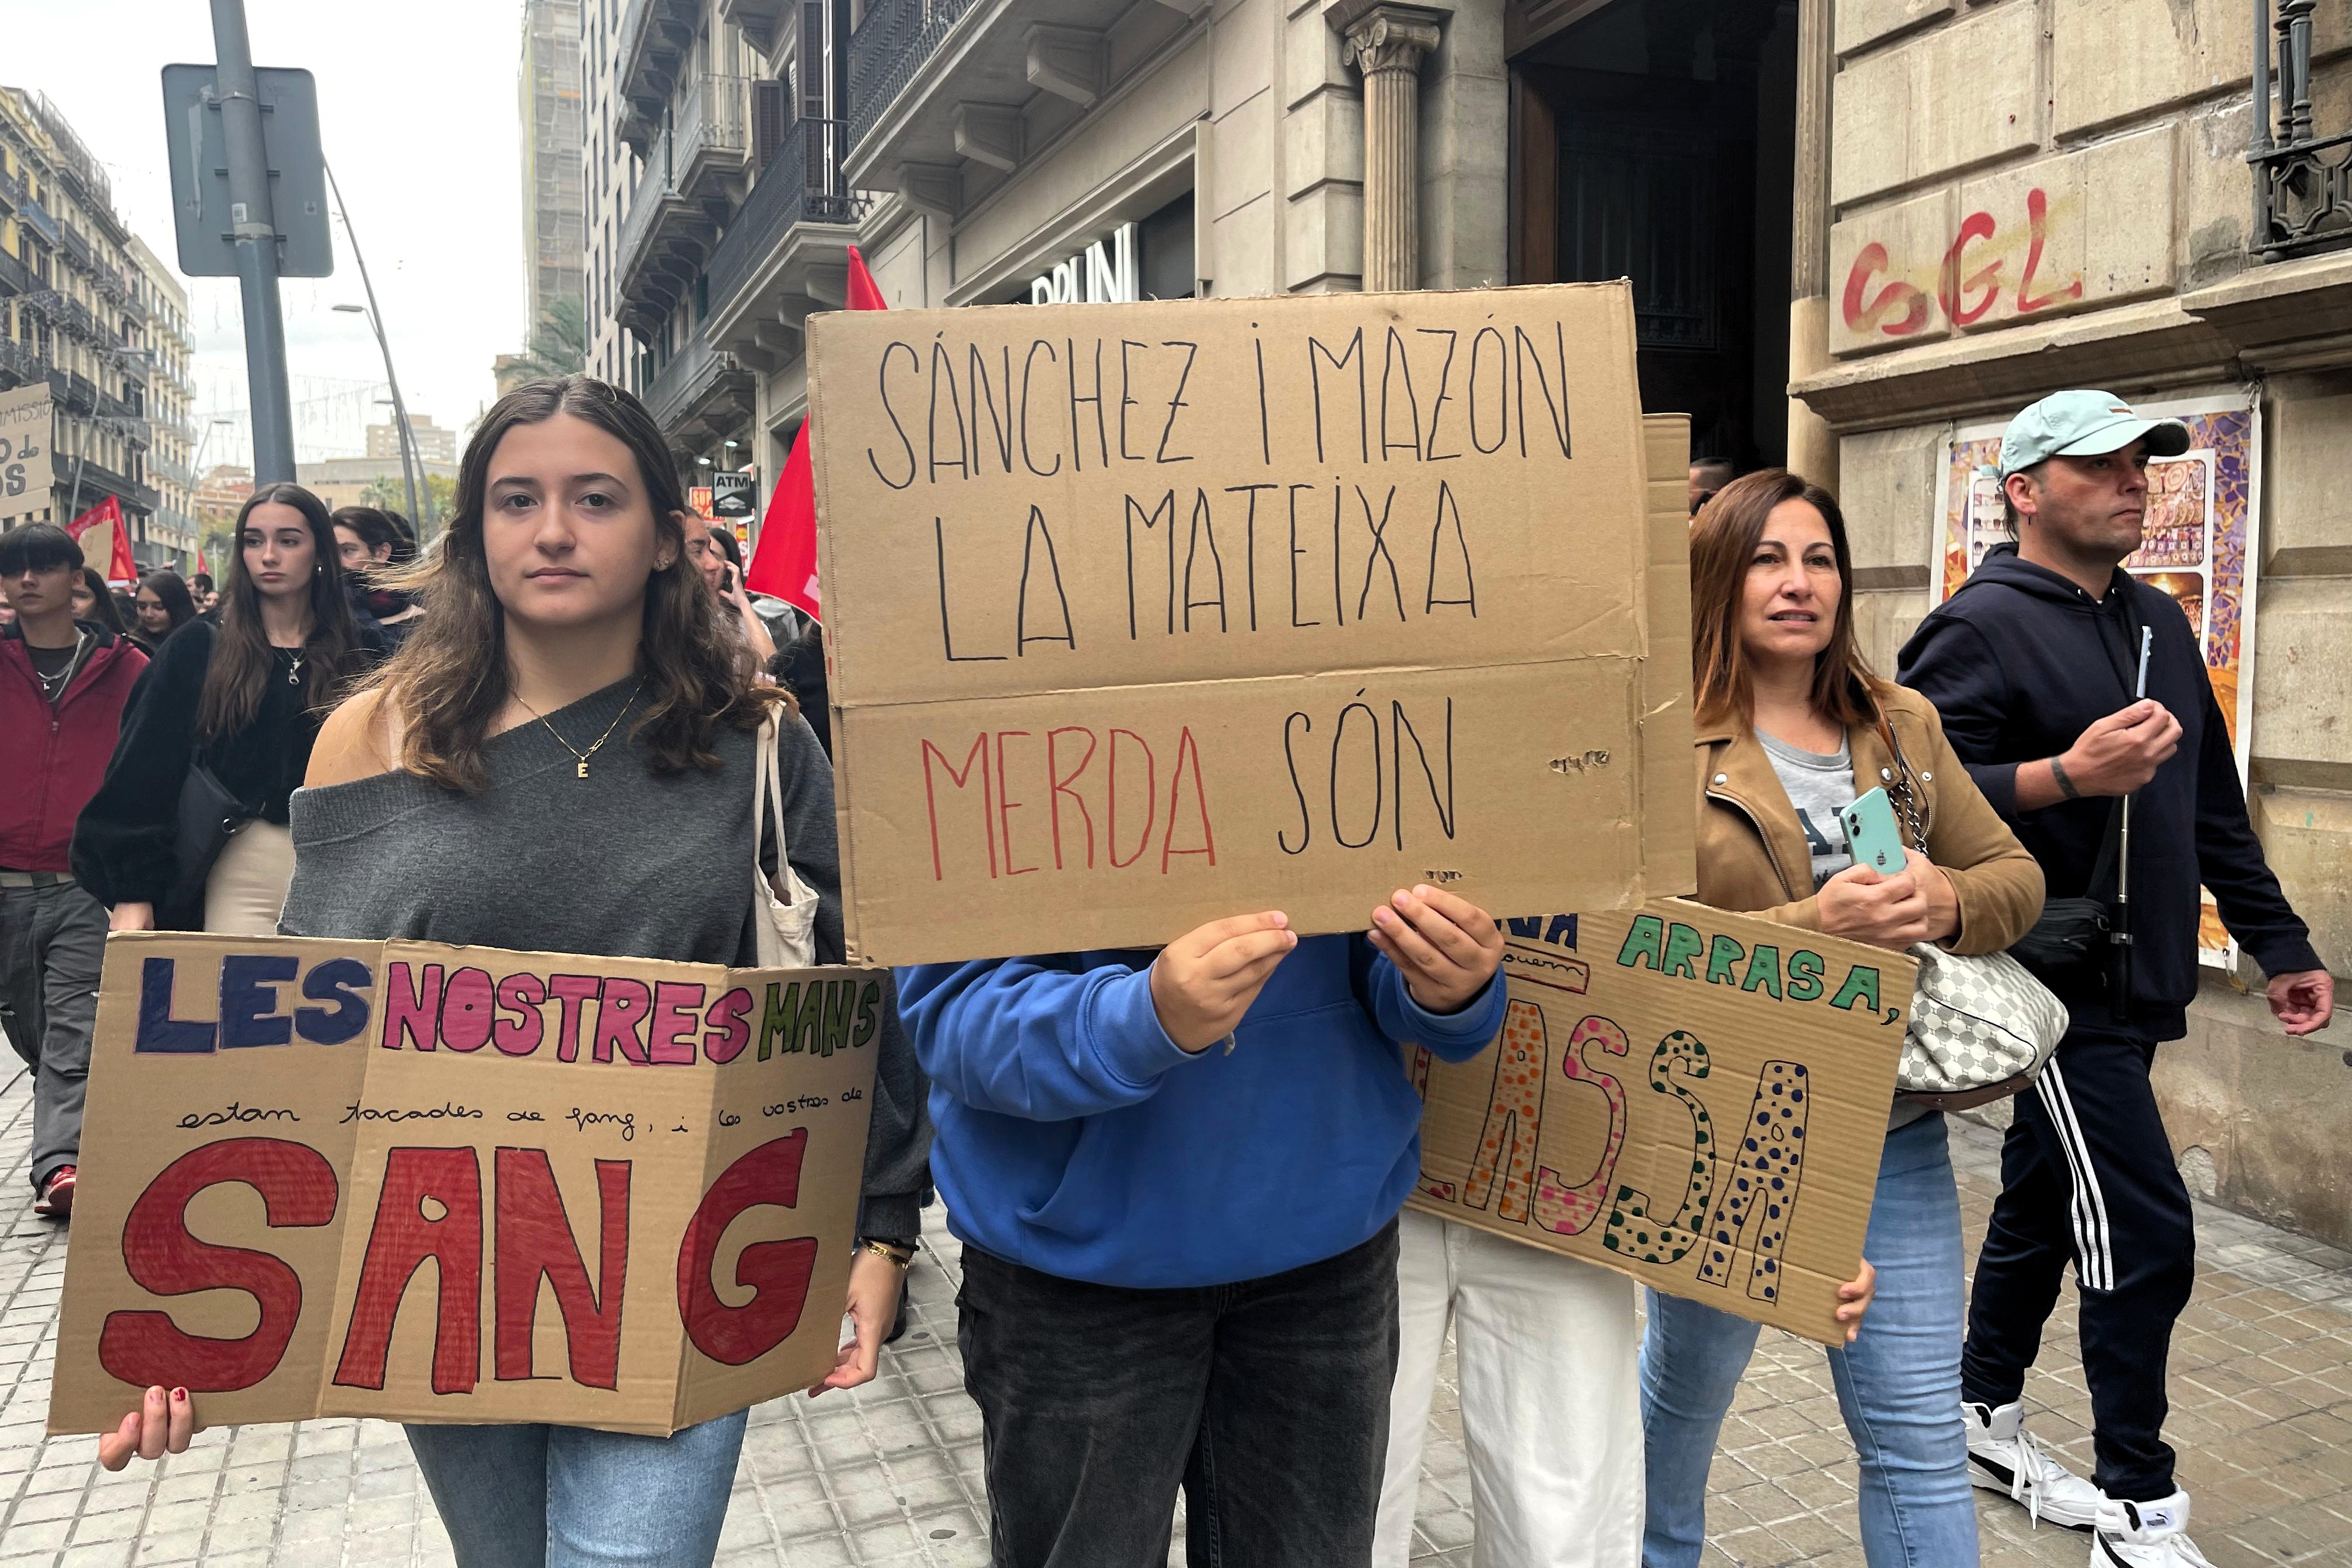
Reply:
x=2067, y=686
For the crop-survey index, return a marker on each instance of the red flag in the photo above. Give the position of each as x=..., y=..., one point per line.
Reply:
x=121, y=570
x=785, y=564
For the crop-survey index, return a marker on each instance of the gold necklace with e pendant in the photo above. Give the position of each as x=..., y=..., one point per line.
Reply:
x=579, y=755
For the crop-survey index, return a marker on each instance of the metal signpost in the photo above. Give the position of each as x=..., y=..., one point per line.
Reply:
x=249, y=196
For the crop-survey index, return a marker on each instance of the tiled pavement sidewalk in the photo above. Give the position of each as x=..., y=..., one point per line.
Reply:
x=2262, y=1390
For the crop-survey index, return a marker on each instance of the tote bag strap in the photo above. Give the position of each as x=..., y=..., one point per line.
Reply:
x=768, y=801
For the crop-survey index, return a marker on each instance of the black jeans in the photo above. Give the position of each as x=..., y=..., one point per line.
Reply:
x=1267, y=1401
x=2086, y=1172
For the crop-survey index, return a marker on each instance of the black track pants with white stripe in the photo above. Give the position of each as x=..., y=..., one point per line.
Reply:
x=2087, y=1174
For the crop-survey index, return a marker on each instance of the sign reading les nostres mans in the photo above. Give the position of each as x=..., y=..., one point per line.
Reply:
x=1695, y=1098
x=461, y=1184
x=1148, y=614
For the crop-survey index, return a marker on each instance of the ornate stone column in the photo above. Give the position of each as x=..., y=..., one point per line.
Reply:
x=1386, y=43
x=1812, y=447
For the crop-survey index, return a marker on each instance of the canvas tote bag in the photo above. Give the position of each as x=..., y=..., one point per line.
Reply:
x=786, y=926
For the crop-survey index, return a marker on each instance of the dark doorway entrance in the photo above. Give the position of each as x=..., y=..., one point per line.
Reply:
x=1655, y=140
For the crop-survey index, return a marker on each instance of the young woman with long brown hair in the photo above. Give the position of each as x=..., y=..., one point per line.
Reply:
x=1792, y=726
x=571, y=712
x=230, y=712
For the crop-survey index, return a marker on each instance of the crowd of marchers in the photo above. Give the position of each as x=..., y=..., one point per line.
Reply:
x=1248, y=1320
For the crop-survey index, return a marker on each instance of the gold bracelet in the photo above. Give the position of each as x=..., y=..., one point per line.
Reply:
x=900, y=1255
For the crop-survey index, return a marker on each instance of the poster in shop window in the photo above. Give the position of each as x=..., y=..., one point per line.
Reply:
x=2203, y=528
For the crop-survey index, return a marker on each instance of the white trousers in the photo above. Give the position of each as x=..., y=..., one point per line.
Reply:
x=1547, y=1351
x=247, y=888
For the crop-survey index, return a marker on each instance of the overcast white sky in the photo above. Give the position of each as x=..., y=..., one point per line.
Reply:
x=418, y=110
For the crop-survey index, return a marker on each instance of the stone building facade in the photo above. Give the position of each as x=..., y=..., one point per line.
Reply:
x=1853, y=227
x=71, y=313
x=2026, y=194
x=172, y=534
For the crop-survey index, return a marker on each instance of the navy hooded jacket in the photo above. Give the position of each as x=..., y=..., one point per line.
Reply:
x=2019, y=662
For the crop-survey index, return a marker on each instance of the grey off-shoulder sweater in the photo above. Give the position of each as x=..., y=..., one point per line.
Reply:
x=625, y=862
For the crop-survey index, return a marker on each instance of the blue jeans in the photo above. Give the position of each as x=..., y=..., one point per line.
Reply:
x=565, y=1497
x=1898, y=1384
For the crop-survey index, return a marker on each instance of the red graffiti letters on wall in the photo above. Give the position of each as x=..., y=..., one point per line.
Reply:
x=1970, y=281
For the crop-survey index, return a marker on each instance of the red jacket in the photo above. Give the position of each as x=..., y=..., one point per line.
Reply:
x=57, y=759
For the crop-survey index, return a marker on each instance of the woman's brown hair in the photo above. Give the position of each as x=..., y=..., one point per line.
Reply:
x=241, y=662
x=447, y=684
x=1722, y=547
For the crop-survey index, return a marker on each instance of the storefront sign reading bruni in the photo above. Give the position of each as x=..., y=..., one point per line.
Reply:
x=1103, y=274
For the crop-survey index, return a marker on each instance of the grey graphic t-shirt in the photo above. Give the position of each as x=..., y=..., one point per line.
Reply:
x=1820, y=786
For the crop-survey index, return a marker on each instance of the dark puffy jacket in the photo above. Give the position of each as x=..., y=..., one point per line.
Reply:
x=62, y=752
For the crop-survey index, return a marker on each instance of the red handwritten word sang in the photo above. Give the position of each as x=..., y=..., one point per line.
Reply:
x=534, y=1239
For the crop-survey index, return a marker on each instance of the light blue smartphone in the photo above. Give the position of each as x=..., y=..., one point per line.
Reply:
x=1872, y=835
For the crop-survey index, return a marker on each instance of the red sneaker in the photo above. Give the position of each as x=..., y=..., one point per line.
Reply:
x=56, y=1201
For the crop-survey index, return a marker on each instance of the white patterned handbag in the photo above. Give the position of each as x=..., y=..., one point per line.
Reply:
x=1981, y=1028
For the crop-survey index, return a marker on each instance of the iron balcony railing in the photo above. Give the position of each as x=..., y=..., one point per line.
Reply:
x=886, y=50
x=713, y=123
x=12, y=190
x=2303, y=182
x=34, y=213
x=20, y=364
x=96, y=479
x=76, y=247
x=80, y=393
x=654, y=184
x=15, y=278
x=801, y=184
x=689, y=375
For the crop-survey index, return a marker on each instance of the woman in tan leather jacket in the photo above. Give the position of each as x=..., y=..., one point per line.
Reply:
x=1793, y=727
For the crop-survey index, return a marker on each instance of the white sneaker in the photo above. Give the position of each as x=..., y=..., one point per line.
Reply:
x=2003, y=1458
x=2146, y=1535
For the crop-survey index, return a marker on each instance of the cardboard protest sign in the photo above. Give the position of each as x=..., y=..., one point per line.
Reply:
x=310, y=1190
x=1148, y=614
x=1695, y=1097
x=27, y=419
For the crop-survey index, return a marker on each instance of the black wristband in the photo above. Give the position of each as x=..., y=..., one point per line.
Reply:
x=2065, y=785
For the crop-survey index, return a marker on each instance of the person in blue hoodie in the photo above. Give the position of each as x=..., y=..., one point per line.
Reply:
x=1176, y=1177
x=2035, y=665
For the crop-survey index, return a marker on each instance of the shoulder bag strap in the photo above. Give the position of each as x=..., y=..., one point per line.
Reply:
x=1910, y=807
x=768, y=800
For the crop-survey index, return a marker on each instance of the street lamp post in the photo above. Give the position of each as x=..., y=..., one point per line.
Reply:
x=375, y=320
x=399, y=413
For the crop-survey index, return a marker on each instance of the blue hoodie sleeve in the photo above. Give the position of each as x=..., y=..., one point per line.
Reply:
x=1456, y=1037
x=1953, y=665
x=1047, y=1039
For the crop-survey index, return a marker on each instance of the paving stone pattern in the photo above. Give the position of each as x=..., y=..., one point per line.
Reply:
x=2262, y=1381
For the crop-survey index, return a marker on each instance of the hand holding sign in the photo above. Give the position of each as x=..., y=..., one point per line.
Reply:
x=873, y=1307
x=1205, y=980
x=1447, y=947
x=163, y=1425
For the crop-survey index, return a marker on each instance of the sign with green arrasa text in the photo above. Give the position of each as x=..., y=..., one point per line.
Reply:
x=1695, y=1098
